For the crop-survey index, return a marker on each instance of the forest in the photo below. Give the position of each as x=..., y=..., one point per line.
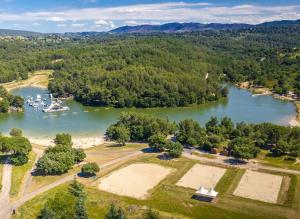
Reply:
x=158, y=70
x=240, y=140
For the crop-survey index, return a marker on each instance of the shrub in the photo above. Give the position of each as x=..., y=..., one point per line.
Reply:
x=90, y=169
x=15, y=132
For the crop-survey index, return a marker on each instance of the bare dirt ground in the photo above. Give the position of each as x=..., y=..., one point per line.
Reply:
x=134, y=180
x=259, y=186
x=6, y=184
x=36, y=79
x=84, y=142
x=201, y=175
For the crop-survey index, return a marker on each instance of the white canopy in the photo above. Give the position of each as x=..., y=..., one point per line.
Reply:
x=212, y=193
x=202, y=191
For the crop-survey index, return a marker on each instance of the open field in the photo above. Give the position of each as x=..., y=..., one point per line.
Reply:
x=280, y=162
x=201, y=175
x=99, y=154
x=134, y=180
x=259, y=186
x=35, y=79
x=18, y=175
x=171, y=199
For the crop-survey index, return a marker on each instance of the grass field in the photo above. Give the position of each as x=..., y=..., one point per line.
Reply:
x=168, y=198
x=37, y=78
x=280, y=162
x=99, y=154
x=18, y=174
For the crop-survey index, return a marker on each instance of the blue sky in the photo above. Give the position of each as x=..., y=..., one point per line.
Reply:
x=103, y=15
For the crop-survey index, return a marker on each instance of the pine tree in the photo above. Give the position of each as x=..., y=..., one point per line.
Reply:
x=80, y=211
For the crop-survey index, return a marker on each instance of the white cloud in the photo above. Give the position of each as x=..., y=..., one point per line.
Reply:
x=78, y=25
x=108, y=17
x=56, y=19
x=104, y=23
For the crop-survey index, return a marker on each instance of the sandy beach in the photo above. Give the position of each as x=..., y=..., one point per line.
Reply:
x=84, y=142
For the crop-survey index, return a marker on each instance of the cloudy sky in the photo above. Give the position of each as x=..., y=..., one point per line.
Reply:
x=103, y=15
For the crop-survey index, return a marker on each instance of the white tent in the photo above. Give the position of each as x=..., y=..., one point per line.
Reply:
x=202, y=191
x=212, y=193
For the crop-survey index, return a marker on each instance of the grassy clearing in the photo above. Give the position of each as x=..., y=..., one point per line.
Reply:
x=37, y=78
x=225, y=182
x=18, y=174
x=173, y=200
x=280, y=162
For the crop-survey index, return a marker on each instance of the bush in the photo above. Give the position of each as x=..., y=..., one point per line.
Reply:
x=15, y=132
x=174, y=149
x=63, y=139
x=90, y=169
x=158, y=142
x=79, y=155
x=19, y=159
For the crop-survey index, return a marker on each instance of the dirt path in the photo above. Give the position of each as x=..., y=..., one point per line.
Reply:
x=6, y=185
x=229, y=162
x=28, y=178
x=5, y=212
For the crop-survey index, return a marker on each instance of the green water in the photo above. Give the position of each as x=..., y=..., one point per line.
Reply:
x=93, y=121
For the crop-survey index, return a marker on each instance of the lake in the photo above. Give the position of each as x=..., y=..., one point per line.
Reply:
x=82, y=121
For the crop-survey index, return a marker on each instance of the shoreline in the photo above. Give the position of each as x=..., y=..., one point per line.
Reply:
x=78, y=142
x=35, y=79
x=294, y=122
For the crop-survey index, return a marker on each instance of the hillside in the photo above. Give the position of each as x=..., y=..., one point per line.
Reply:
x=178, y=28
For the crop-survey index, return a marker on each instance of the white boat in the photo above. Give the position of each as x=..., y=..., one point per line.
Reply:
x=55, y=107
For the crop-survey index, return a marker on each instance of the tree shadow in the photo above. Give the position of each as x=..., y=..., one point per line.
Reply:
x=233, y=161
x=164, y=156
x=3, y=158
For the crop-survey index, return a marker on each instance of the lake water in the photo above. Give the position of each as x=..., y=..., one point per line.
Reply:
x=92, y=121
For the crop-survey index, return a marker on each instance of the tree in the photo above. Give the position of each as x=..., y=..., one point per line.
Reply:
x=4, y=105
x=63, y=139
x=151, y=214
x=47, y=213
x=157, y=142
x=243, y=148
x=79, y=155
x=175, y=149
x=90, y=169
x=15, y=132
x=190, y=133
x=80, y=210
x=77, y=189
x=212, y=126
x=115, y=213
x=119, y=133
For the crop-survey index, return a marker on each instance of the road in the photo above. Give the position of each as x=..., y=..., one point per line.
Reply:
x=6, y=184
x=28, y=177
x=229, y=161
x=6, y=210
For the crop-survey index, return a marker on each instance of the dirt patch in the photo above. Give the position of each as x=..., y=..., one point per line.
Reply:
x=134, y=180
x=259, y=186
x=201, y=175
x=36, y=79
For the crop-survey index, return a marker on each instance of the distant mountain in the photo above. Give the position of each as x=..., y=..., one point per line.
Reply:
x=8, y=32
x=280, y=23
x=164, y=28
x=178, y=28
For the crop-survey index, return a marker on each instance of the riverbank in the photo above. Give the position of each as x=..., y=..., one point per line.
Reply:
x=35, y=79
x=78, y=142
x=257, y=91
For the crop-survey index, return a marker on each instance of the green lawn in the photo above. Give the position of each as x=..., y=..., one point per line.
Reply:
x=171, y=199
x=280, y=162
x=18, y=174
